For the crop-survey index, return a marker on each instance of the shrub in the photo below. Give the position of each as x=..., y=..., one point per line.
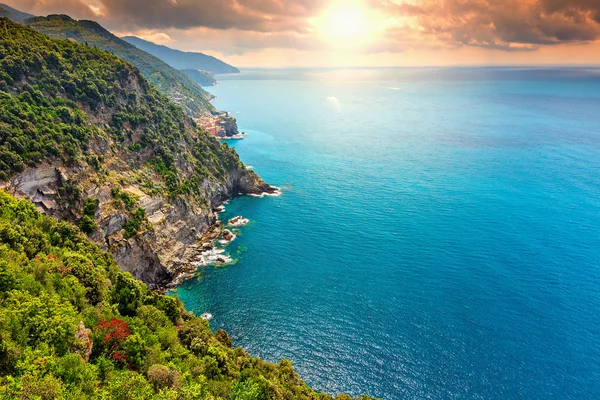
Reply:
x=162, y=377
x=223, y=337
x=87, y=224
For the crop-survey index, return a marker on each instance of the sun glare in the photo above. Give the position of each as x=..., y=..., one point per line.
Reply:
x=346, y=24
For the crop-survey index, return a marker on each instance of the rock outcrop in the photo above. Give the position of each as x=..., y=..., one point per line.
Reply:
x=84, y=342
x=228, y=236
x=176, y=226
x=238, y=221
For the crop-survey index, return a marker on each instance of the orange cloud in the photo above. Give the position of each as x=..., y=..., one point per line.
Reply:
x=512, y=25
x=239, y=27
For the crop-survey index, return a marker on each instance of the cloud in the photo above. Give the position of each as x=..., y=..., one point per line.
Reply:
x=74, y=8
x=96, y=10
x=573, y=7
x=227, y=42
x=512, y=25
x=236, y=27
x=155, y=37
x=251, y=15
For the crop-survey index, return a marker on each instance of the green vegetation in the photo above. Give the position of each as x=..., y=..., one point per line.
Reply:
x=137, y=215
x=87, y=223
x=73, y=326
x=135, y=223
x=169, y=81
x=58, y=98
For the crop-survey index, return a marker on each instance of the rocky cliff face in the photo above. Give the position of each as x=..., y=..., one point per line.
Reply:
x=85, y=137
x=174, y=227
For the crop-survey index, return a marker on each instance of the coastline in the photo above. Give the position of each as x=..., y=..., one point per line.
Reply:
x=205, y=249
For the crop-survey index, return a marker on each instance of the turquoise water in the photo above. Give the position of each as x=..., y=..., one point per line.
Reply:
x=438, y=235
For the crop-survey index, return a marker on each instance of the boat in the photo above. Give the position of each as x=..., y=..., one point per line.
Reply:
x=206, y=316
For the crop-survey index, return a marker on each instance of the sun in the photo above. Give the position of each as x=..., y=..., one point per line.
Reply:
x=346, y=23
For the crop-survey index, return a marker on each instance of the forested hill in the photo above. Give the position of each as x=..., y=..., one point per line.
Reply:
x=58, y=97
x=183, y=59
x=169, y=81
x=72, y=326
x=89, y=140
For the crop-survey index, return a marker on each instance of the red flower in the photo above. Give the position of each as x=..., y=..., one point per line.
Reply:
x=115, y=332
x=118, y=356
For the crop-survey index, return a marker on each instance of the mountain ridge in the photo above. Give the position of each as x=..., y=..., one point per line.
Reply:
x=13, y=14
x=182, y=59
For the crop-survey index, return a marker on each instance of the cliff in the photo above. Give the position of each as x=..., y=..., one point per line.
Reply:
x=86, y=138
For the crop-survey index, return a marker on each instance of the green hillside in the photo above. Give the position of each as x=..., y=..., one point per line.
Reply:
x=72, y=326
x=50, y=92
x=169, y=81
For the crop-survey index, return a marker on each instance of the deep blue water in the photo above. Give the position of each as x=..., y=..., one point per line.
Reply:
x=438, y=235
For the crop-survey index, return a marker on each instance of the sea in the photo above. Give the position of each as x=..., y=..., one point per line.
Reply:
x=437, y=235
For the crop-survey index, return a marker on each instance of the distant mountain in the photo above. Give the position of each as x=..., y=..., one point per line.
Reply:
x=183, y=60
x=203, y=78
x=14, y=15
x=169, y=81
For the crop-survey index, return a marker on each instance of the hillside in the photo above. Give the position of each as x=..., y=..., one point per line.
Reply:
x=11, y=13
x=202, y=78
x=72, y=326
x=86, y=138
x=183, y=60
x=169, y=81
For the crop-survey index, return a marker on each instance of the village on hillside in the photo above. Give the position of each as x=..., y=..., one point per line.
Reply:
x=222, y=126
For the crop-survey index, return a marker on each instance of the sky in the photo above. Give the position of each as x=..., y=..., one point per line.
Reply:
x=327, y=33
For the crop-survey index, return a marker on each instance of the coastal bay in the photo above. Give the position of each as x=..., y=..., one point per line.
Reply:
x=435, y=235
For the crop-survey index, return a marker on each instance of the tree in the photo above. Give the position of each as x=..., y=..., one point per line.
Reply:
x=127, y=294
